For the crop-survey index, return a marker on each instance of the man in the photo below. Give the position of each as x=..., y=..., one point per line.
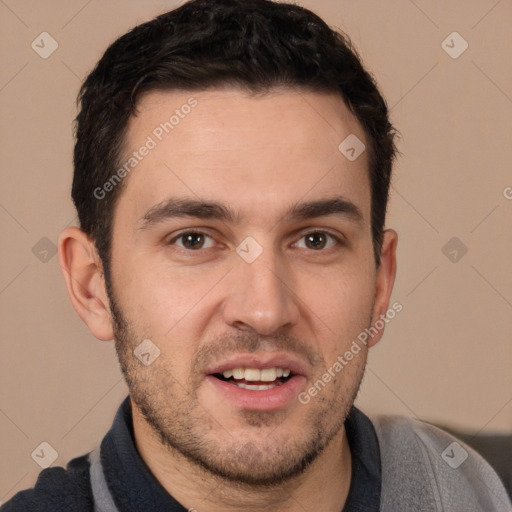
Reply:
x=232, y=166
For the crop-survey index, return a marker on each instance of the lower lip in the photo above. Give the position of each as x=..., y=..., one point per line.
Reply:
x=265, y=400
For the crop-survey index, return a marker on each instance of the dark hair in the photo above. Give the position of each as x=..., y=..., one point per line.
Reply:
x=253, y=44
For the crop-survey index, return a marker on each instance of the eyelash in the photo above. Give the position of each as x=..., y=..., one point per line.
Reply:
x=338, y=241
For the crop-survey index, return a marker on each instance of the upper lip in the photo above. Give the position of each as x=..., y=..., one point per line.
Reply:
x=268, y=360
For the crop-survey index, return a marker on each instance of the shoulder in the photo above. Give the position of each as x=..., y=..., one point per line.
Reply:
x=57, y=489
x=433, y=464
x=391, y=428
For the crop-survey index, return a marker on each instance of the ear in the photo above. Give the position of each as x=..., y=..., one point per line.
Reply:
x=83, y=272
x=384, y=281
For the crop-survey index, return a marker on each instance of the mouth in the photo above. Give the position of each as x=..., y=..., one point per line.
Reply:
x=256, y=379
x=268, y=382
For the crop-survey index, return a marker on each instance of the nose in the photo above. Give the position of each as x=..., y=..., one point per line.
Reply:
x=260, y=297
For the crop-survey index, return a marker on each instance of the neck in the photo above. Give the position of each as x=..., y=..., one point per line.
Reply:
x=324, y=485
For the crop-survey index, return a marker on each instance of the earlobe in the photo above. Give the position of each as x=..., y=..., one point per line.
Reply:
x=385, y=280
x=82, y=270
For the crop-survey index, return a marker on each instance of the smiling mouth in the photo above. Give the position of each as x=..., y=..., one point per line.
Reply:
x=255, y=379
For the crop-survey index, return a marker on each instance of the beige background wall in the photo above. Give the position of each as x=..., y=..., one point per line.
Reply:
x=446, y=357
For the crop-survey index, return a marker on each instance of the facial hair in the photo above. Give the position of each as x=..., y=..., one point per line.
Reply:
x=186, y=427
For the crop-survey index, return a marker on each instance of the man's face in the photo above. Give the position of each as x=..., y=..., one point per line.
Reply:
x=195, y=285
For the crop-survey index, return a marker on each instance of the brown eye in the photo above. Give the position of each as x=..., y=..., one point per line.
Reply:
x=193, y=240
x=317, y=240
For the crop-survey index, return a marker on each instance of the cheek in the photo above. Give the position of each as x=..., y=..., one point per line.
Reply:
x=166, y=302
x=340, y=304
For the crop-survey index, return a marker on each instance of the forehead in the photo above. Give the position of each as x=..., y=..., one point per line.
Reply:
x=253, y=152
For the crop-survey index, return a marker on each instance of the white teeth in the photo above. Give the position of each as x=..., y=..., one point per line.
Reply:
x=255, y=387
x=238, y=373
x=254, y=374
x=267, y=374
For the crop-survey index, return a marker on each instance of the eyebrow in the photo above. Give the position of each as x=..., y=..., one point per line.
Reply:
x=203, y=209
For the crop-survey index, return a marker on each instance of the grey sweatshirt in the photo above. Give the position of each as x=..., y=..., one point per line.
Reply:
x=425, y=469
